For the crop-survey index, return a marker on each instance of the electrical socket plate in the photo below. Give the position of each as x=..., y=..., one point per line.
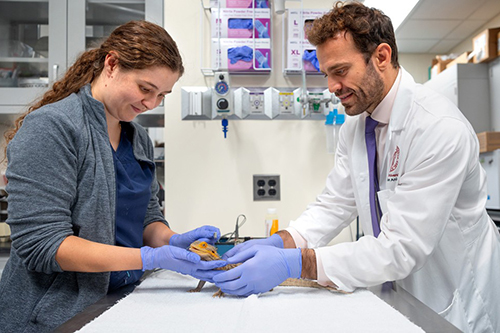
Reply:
x=266, y=188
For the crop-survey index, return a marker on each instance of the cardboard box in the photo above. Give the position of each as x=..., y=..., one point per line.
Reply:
x=4, y=231
x=488, y=141
x=485, y=45
x=461, y=59
x=438, y=65
x=498, y=44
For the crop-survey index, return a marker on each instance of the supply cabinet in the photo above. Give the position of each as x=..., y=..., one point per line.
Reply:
x=29, y=59
x=40, y=39
x=467, y=86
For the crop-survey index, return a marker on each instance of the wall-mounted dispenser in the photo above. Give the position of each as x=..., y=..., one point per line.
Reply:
x=196, y=103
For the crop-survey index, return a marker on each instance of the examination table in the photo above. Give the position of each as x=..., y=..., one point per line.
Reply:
x=161, y=303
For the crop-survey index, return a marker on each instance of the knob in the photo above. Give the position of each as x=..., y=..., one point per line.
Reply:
x=222, y=104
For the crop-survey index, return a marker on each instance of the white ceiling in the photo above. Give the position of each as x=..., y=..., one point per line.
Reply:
x=437, y=26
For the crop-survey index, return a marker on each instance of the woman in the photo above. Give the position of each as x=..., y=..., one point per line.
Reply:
x=82, y=187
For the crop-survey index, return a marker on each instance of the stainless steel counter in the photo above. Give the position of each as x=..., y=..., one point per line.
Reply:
x=416, y=311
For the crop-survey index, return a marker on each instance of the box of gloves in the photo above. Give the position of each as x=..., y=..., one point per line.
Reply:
x=239, y=3
x=302, y=53
x=241, y=23
x=251, y=55
x=299, y=51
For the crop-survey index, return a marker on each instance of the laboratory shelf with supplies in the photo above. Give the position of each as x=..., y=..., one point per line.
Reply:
x=28, y=60
x=42, y=38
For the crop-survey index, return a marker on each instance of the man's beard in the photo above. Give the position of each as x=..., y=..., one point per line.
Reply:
x=370, y=92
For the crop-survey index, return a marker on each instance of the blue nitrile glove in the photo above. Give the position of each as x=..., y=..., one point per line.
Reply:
x=261, y=59
x=244, y=53
x=310, y=55
x=263, y=268
x=261, y=29
x=275, y=240
x=179, y=260
x=240, y=24
x=205, y=233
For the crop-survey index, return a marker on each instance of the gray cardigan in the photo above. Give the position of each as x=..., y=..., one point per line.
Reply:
x=61, y=182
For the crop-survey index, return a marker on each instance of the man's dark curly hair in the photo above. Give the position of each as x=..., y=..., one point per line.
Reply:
x=369, y=28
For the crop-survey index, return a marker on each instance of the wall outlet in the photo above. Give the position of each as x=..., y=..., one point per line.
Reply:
x=266, y=188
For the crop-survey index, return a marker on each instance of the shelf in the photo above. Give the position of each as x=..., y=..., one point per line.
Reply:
x=151, y=120
x=287, y=71
x=5, y=245
x=24, y=59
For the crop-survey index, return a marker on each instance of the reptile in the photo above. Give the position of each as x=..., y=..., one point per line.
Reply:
x=208, y=252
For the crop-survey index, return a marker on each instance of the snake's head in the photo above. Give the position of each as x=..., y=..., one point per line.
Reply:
x=206, y=251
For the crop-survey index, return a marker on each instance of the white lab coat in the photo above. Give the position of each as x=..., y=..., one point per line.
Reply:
x=436, y=239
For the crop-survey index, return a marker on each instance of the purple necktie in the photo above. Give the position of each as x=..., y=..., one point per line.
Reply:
x=371, y=149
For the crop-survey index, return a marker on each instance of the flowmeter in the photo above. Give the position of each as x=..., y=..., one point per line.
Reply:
x=222, y=99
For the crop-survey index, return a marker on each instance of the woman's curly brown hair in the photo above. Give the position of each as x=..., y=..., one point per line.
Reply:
x=138, y=45
x=369, y=28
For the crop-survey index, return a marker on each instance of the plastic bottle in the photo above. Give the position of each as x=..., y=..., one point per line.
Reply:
x=272, y=224
x=333, y=122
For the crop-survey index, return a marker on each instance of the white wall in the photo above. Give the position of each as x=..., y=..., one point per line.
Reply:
x=209, y=178
x=417, y=64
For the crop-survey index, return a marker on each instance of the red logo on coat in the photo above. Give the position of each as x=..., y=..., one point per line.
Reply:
x=395, y=160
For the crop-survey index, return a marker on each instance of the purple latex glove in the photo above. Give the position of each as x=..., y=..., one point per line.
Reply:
x=205, y=233
x=263, y=268
x=179, y=260
x=275, y=240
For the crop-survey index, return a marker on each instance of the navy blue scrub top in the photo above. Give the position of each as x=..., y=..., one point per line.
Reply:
x=133, y=191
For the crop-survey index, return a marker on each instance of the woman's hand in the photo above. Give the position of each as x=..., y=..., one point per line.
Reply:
x=206, y=233
x=179, y=260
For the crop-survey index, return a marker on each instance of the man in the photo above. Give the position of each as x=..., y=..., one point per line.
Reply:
x=420, y=197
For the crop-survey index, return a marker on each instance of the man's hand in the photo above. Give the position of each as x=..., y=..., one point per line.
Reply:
x=179, y=260
x=275, y=240
x=263, y=268
x=206, y=233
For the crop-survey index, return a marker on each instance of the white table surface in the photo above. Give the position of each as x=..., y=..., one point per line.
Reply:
x=161, y=303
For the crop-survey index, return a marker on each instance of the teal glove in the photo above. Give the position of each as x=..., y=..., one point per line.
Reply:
x=179, y=260
x=263, y=268
x=275, y=240
x=205, y=233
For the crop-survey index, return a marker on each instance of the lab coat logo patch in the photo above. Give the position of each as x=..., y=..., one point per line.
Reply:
x=394, y=165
